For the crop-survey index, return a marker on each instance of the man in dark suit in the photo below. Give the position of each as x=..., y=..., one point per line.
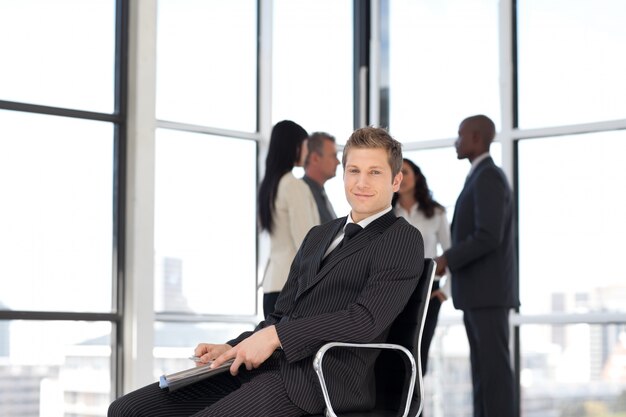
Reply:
x=340, y=288
x=482, y=262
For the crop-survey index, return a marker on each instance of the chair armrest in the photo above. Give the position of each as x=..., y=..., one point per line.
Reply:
x=319, y=357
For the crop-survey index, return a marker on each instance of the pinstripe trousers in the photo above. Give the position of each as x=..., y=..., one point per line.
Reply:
x=256, y=393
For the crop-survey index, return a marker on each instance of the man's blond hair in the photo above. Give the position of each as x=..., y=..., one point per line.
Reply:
x=375, y=138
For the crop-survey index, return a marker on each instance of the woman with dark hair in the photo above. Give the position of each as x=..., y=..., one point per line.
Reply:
x=287, y=209
x=414, y=202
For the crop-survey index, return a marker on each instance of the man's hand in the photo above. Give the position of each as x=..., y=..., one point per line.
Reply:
x=442, y=264
x=208, y=352
x=252, y=351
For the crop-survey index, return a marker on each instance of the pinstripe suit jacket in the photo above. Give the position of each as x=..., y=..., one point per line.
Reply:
x=354, y=297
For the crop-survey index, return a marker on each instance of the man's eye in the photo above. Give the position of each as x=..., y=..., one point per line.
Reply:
x=375, y=172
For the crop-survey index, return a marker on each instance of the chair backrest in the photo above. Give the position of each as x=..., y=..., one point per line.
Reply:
x=406, y=330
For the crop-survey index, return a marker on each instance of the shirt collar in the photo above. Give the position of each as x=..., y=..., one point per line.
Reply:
x=363, y=223
x=477, y=161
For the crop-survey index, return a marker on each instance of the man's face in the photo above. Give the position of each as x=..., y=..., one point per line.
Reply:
x=368, y=182
x=328, y=160
x=465, y=143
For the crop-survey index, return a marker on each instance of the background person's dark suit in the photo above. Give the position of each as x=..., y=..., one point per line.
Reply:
x=484, y=285
x=354, y=297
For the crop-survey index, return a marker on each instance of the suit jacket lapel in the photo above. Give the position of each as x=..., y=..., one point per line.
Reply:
x=355, y=244
x=322, y=245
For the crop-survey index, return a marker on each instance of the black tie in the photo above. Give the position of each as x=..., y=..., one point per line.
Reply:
x=350, y=230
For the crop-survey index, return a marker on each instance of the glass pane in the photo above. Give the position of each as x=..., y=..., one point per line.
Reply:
x=570, y=212
x=56, y=175
x=207, y=63
x=569, y=66
x=312, y=65
x=573, y=370
x=175, y=342
x=443, y=65
x=56, y=368
x=448, y=382
x=58, y=53
x=205, y=224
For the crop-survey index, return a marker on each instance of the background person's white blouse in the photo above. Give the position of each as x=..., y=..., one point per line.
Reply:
x=435, y=231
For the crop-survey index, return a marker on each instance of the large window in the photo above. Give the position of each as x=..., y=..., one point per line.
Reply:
x=205, y=231
x=537, y=69
x=570, y=218
x=56, y=233
x=570, y=68
x=570, y=201
x=206, y=63
x=206, y=150
x=443, y=65
x=62, y=106
x=312, y=65
x=58, y=53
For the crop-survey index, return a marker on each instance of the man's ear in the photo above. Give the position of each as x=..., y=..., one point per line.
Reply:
x=396, y=182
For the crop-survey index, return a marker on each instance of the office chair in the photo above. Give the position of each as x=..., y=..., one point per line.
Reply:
x=396, y=381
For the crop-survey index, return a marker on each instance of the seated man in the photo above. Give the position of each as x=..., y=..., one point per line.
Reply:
x=337, y=290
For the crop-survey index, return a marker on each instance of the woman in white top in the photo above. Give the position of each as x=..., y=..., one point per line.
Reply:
x=415, y=203
x=287, y=209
